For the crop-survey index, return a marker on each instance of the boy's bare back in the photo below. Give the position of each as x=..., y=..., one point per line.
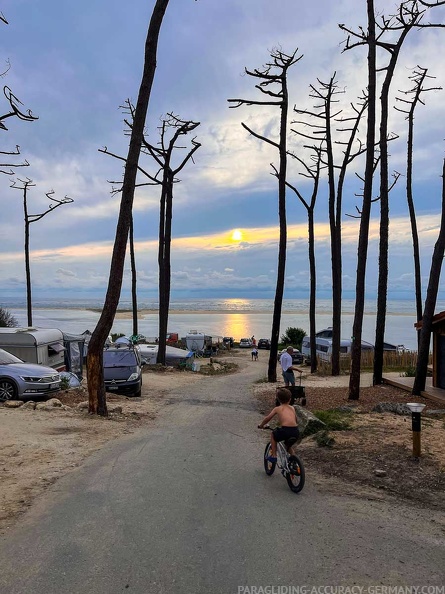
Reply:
x=286, y=415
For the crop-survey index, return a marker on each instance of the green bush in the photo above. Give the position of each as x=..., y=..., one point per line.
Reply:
x=334, y=419
x=64, y=383
x=409, y=372
x=7, y=320
x=294, y=337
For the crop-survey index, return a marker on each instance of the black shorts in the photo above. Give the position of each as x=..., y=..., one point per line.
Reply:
x=283, y=433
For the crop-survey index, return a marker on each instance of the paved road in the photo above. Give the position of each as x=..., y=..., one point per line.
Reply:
x=185, y=507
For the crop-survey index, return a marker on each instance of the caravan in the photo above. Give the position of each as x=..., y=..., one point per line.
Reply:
x=324, y=347
x=44, y=346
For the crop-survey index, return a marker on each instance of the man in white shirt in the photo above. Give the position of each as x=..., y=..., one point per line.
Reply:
x=286, y=366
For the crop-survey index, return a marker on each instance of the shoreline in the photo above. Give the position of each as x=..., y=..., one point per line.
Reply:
x=122, y=314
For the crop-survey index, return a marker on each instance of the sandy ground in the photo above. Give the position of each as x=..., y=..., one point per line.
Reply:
x=39, y=446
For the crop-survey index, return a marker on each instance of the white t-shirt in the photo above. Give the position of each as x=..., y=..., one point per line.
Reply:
x=285, y=361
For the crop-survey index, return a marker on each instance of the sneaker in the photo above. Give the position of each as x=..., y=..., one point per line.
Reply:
x=272, y=459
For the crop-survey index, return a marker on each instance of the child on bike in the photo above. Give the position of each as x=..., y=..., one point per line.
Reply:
x=287, y=418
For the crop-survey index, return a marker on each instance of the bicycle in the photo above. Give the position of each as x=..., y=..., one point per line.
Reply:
x=291, y=466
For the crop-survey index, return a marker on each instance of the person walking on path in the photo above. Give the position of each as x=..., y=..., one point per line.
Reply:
x=254, y=354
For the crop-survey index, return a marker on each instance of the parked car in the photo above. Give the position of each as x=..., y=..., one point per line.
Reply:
x=264, y=343
x=228, y=340
x=123, y=369
x=25, y=380
x=297, y=357
x=245, y=343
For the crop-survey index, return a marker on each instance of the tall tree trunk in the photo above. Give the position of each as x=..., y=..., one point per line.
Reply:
x=382, y=290
x=134, y=297
x=312, y=295
x=28, y=271
x=163, y=312
x=362, y=252
x=279, y=291
x=96, y=387
x=430, y=302
x=335, y=254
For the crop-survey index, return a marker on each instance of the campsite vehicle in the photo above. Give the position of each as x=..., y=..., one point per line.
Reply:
x=174, y=357
x=297, y=357
x=324, y=348
x=198, y=342
x=264, y=343
x=228, y=341
x=172, y=338
x=20, y=380
x=43, y=346
x=245, y=343
x=123, y=369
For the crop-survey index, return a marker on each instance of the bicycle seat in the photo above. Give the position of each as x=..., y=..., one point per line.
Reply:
x=290, y=442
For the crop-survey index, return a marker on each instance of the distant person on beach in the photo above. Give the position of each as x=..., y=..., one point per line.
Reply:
x=254, y=354
x=253, y=340
x=286, y=367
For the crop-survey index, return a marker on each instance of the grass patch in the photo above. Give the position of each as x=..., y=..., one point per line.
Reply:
x=334, y=420
x=324, y=440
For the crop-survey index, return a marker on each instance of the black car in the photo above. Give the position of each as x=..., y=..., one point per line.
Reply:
x=264, y=343
x=228, y=341
x=297, y=357
x=123, y=369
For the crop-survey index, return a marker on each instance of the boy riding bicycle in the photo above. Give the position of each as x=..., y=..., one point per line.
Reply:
x=287, y=418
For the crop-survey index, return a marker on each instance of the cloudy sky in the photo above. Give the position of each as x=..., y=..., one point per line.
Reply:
x=75, y=63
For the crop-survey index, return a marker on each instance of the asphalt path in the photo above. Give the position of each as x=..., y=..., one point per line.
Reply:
x=185, y=507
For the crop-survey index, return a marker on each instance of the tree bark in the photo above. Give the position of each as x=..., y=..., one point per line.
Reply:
x=362, y=252
x=279, y=291
x=96, y=387
x=382, y=290
x=430, y=302
x=134, y=297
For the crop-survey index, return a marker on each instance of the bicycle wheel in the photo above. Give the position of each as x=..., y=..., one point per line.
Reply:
x=269, y=467
x=295, y=476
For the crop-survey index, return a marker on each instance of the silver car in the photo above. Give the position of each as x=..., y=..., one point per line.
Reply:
x=25, y=380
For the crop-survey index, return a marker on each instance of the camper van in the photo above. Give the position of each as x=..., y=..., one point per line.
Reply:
x=324, y=347
x=43, y=346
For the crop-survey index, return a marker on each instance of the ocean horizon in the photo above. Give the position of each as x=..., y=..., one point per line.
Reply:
x=221, y=317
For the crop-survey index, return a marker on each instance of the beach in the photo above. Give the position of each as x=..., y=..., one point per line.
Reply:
x=237, y=318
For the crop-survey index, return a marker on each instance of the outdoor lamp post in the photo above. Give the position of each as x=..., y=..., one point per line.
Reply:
x=416, y=410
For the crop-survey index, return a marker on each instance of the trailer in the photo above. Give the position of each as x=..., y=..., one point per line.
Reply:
x=44, y=346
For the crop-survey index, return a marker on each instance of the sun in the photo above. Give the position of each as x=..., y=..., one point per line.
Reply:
x=237, y=235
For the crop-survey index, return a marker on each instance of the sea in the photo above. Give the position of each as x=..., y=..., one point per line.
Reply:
x=238, y=318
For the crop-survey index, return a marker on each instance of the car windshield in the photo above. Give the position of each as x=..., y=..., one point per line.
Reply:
x=119, y=358
x=6, y=358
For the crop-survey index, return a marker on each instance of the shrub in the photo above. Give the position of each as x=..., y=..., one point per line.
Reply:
x=64, y=383
x=410, y=371
x=293, y=336
x=7, y=320
x=334, y=419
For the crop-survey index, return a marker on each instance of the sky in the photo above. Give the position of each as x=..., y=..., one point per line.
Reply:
x=75, y=64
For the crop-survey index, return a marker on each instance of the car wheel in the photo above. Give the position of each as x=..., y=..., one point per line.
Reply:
x=8, y=390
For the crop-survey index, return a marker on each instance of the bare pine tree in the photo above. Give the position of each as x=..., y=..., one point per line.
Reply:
x=170, y=131
x=24, y=186
x=321, y=123
x=430, y=302
x=273, y=84
x=96, y=386
x=409, y=106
